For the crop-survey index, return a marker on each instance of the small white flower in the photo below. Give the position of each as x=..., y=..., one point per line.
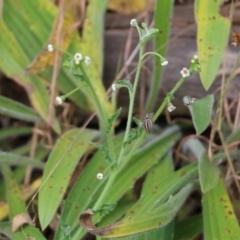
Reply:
x=87, y=60
x=50, y=47
x=195, y=57
x=185, y=72
x=133, y=22
x=77, y=57
x=171, y=108
x=192, y=61
x=164, y=63
x=114, y=87
x=59, y=100
x=100, y=176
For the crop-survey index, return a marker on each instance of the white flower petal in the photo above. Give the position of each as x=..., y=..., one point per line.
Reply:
x=78, y=57
x=50, y=47
x=133, y=22
x=114, y=87
x=164, y=63
x=87, y=60
x=100, y=176
x=59, y=100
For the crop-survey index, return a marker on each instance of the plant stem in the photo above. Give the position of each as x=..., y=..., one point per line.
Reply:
x=229, y=80
x=131, y=104
x=159, y=111
x=102, y=115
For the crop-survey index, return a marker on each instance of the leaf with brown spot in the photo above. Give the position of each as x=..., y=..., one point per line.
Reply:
x=212, y=36
x=219, y=219
x=57, y=171
x=19, y=220
x=46, y=59
x=154, y=219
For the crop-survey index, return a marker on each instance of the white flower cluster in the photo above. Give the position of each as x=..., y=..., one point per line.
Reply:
x=78, y=57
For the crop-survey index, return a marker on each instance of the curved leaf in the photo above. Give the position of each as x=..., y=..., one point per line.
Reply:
x=17, y=110
x=14, y=131
x=58, y=170
x=18, y=160
x=13, y=59
x=143, y=222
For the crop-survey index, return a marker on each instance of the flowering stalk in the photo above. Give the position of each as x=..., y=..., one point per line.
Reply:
x=103, y=115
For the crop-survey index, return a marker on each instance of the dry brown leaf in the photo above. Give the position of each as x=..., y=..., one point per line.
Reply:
x=128, y=6
x=86, y=223
x=19, y=220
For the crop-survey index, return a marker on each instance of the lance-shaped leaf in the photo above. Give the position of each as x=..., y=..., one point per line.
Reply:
x=18, y=160
x=17, y=208
x=13, y=59
x=219, y=219
x=45, y=59
x=15, y=131
x=201, y=111
x=212, y=35
x=113, y=119
x=208, y=172
x=157, y=218
x=58, y=171
x=17, y=110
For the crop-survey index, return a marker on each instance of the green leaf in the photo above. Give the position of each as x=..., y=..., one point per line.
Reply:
x=113, y=118
x=106, y=208
x=208, y=173
x=79, y=77
x=13, y=60
x=212, y=36
x=201, y=111
x=13, y=193
x=14, y=131
x=83, y=196
x=92, y=46
x=162, y=16
x=58, y=170
x=219, y=219
x=125, y=83
x=27, y=233
x=189, y=228
x=138, y=122
x=103, y=150
x=156, y=218
x=134, y=134
x=17, y=110
x=17, y=160
x=149, y=34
